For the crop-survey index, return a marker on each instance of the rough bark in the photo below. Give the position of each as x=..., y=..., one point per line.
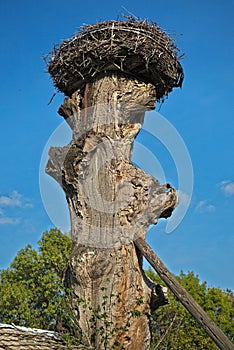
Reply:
x=110, y=201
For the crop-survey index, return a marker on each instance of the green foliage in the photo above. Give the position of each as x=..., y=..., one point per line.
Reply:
x=174, y=328
x=30, y=289
x=101, y=321
x=31, y=294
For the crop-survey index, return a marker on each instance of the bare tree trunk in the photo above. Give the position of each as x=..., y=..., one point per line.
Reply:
x=110, y=201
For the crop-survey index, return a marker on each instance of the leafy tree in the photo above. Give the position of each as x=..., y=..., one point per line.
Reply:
x=30, y=289
x=174, y=328
x=32, y=295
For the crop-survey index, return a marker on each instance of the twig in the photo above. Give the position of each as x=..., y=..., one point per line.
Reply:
x=54, y=94
x=165, y=334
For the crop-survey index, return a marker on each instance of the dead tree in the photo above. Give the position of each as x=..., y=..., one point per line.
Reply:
x=111, y=73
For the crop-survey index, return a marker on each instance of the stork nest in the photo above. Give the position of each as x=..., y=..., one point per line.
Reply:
x=135, y=48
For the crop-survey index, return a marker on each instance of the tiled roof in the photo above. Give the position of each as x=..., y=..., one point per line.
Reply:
x=21, y=338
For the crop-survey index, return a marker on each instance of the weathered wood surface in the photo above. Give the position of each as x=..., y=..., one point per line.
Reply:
x=109, y=201
x=214, y=332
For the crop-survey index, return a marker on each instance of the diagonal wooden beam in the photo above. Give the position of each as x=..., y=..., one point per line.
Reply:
x=213, y=331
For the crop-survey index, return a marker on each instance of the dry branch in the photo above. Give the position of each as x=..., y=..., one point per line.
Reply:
x=184, y=297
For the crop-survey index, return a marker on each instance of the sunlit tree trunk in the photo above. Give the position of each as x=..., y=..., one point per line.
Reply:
x=111, y=202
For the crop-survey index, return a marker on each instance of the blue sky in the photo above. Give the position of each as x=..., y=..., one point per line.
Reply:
x=202, y=113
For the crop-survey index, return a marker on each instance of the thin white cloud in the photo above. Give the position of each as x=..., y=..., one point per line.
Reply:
x=227, y=187
x=10, y=203
x=204, y=207
x=8, y=221
x=15, y=199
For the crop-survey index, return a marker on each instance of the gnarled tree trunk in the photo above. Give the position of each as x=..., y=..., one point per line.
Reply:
x=110, y=201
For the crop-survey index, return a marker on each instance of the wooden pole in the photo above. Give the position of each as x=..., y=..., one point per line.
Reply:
x=184, y=297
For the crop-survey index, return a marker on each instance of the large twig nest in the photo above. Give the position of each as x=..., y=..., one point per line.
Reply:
x=135, y=48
